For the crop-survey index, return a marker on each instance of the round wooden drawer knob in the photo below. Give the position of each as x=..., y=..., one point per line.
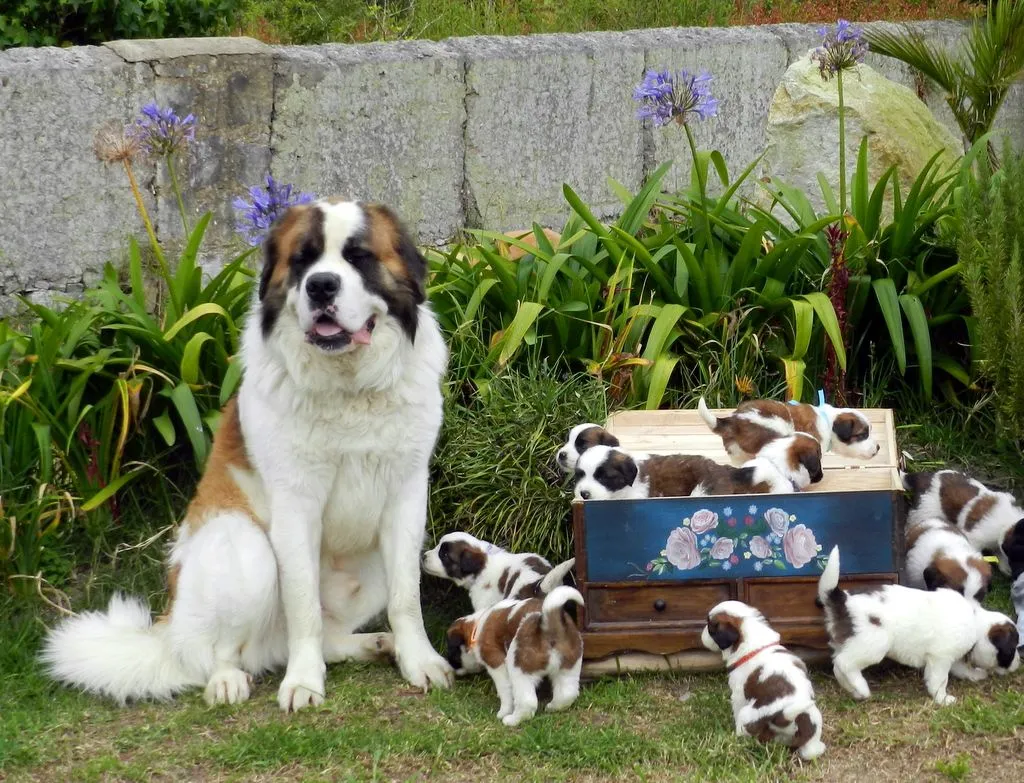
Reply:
x=659, y=605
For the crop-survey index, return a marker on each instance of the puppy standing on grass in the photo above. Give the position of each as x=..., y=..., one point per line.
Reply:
x=992, y=521
x=605, y=473
x=520, y=643
x=489, y=573
x=772, y=696
x=756, y=423
x=941, y=632
x=939, y=555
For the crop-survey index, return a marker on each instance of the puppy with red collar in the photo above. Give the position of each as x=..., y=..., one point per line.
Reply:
x=489, y=573
x=520, y=643
x=939, y=555
x=582, y=437
x=756, y=423
x=605, y=473
x=939, y=631
x=772, y=696
x=992, y=521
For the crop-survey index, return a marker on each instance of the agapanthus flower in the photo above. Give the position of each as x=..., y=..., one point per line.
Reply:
x=266, y=204
x=841, y=49
x=162, y=131
x=665, y=98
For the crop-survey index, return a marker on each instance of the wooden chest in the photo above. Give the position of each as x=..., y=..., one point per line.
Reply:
x=650, y=570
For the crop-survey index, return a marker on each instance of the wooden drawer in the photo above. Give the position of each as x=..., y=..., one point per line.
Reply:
x=792, y=601
x=655, y=604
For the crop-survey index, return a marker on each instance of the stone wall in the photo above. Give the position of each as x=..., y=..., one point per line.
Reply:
x=477, y=132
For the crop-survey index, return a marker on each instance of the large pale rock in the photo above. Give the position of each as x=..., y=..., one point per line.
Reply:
x=803, y=129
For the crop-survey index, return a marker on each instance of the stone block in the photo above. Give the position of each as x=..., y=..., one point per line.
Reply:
x=379, y=122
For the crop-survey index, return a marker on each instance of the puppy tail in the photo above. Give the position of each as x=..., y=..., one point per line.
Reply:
x=828, y=584
x=709, y=418
x=556, y=576
x=553, y=612
x=119, y=653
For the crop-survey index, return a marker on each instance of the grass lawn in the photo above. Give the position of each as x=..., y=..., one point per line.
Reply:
x=373, y=726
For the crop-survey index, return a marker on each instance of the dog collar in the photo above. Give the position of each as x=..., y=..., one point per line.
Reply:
x=820, y=410
x=751, y=655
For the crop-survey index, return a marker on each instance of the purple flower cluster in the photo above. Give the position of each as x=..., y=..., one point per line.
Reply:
x=267, y=203
x=665, y=98
x=161, y=131
x=841, y=49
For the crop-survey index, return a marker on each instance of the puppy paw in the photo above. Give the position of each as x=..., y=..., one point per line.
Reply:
x=421, y=666
x=293, y=696
x=227, y=686
x=811, y=750
x=515, y=718
x=946, y=700
x=503, y=712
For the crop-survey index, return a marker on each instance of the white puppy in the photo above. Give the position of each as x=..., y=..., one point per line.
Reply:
x=772, y=696
x=489, y=573
x=939, y=631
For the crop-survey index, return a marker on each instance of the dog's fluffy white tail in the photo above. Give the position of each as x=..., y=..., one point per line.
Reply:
x=709, y=418
x=551, y=611
x=119, y=653
x=556, y=576
x=829, y=580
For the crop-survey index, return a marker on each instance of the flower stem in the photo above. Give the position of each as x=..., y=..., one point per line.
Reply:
x=177, y=192
x=144, y=214
x=842, y=149
x=701, y=184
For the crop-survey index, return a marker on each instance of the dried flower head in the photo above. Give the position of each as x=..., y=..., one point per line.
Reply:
x=114, y=143
x=161, y=131
x=267, y=203
x=745, y=386
x=841, y=49
x=665, y=98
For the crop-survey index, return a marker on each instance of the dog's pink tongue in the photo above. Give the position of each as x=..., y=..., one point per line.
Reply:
x=326, y=328
x=362, y=337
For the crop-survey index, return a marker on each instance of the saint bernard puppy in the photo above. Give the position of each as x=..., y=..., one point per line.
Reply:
x=310, y=516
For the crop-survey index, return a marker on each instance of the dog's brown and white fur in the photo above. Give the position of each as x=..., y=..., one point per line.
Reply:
x=491, y=574
x=520, y=643
x=992, y=521
x=310, y=517
x=756, y=423
x=939, y=555
x=605, y=473
x=582, y=437
x=772, y=696
x=939, y=631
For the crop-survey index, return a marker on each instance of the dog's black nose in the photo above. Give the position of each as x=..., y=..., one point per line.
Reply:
x=585, y=494
x=561, y=456
x=321, y=287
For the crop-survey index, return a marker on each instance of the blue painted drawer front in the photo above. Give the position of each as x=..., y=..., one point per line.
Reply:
x=737, y=536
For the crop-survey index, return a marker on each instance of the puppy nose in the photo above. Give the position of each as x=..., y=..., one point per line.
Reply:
x=585, y=494
x=561, y=455
x=321, y=287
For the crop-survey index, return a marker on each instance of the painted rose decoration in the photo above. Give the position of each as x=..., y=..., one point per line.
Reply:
x=708, y=542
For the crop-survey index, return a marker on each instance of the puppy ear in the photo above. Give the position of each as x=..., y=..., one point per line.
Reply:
x=1005, y=639
x=724, y=633
x=627, y=467
x=842, y=428
x=812, y=461
x=471, y=561
x=455, y=640
x=607, y=439
x=933, y=578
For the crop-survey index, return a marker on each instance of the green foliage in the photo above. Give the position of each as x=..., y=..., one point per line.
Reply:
x=977, y=81
x=62, y=22
x=904, y=274
x=990, y=240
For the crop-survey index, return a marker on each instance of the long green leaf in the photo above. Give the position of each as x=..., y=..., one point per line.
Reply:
x=191, y=355
x=516, y=331
x=918, y=321
x=45, y=448
x=193, y=315
x=803, y=325
x=888, y=303
x=232, y=377
x=827, y=315
x=658, y=377
x=165, y=427
x=188, y=412
x=666, y=321
x=108, y=491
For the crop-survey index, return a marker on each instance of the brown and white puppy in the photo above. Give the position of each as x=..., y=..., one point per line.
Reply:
x=992, y=521
x=582, y=437
x=772, y=696
x=605, y=473
x=308, y=522
x=489, y=573
x=939, y=631
x=756, y=423
x=520, y=643
x=939, y=555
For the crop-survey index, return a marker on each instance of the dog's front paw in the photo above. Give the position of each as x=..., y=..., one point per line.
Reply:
x=945, y=700
x=303, y=685
x=515, y=718
x=421, y=666
x=227, y=686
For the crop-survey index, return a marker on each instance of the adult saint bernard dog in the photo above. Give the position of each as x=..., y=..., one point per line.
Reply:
x=310, y=517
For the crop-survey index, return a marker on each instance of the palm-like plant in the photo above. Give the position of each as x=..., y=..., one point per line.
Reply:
x=976, y=80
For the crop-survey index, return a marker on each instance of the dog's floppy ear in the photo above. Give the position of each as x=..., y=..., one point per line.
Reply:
x=933, y=578
x=1004, y=638
x=455, y=640
x=471, y=561
x=617, y=472
x=725, y=630
x=812, y=461
x=1013, y=548
x=842, y=428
